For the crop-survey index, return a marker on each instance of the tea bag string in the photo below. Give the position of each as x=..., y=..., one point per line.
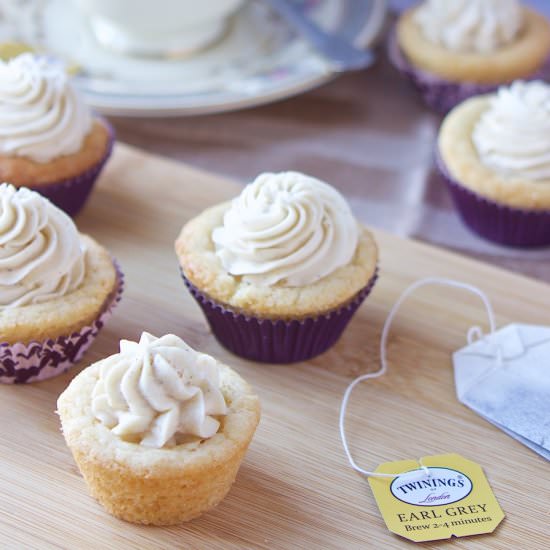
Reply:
x=474, y=333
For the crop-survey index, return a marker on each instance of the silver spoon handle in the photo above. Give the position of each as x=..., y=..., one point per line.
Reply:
x=342, y=55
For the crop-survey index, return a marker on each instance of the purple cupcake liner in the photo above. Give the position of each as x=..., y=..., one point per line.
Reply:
x=440, y=94
x=71, y=194
x=23, y=363
x=277, y=341
x=497, y=222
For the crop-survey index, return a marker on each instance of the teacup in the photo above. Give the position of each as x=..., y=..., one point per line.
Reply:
x=157, y=27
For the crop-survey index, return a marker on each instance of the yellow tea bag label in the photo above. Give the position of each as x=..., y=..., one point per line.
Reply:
x=454, y=498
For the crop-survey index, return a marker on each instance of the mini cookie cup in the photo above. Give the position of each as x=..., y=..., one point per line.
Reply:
x=277, y=341
x=494, y=221
x=163, y=486
x=35, y=361
x=440, y=94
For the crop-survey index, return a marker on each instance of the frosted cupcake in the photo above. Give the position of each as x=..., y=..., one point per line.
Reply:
x=158, y=430
x=454, y=50
x=494, y=153
x=49, y=139
x=280, y=270
x=57, y=288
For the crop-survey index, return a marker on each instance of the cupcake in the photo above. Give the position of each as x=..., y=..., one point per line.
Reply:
x=494, y=154
x=49, y=139
x=158, y=430
x=57, y=288
x=280, y=270
x=453, y=50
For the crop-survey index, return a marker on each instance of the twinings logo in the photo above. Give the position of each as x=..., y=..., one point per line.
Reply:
x=442, y=486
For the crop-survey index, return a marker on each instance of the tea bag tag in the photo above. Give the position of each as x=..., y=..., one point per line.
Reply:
x=452, y=499
x=505, y=378
x=436, y=497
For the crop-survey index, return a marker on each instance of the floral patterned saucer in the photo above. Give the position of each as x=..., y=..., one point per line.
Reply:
x=258, y=60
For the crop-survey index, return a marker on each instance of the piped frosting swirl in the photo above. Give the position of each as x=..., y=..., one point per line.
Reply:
x=157, y=391
x=513, y=136
x=480, y=26
x=41, y=115
x=41, y=254
x=288, y=229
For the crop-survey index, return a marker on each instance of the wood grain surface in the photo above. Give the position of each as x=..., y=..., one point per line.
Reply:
x=295, y=489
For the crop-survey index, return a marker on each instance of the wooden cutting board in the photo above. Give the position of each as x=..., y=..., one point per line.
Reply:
x=295, y=489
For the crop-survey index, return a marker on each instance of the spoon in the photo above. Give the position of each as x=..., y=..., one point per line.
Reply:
x=342, y=55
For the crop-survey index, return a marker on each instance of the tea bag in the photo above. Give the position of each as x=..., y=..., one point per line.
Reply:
x=505, y=378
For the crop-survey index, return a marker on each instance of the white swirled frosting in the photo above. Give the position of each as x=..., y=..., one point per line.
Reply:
x=286, y=228
x=480, y=26
x=513, y=136
x=41, y=255
x=157, y=390
x=41, y=116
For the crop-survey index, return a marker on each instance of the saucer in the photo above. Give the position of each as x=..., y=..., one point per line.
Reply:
x=259, y=59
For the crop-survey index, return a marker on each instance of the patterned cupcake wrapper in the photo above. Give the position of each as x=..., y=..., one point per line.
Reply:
x=22, y=363
x=440, y=94
x=277, y=341
x=71, y=194
x=497, y=222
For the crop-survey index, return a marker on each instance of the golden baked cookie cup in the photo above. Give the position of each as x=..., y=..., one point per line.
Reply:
x=508, y=212
x=39, y=341
x=445, y=79
x=66, y=181
x=272, y=324
x=163, y=486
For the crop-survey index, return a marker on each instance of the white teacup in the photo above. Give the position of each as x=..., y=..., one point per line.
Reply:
x=157, y=27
